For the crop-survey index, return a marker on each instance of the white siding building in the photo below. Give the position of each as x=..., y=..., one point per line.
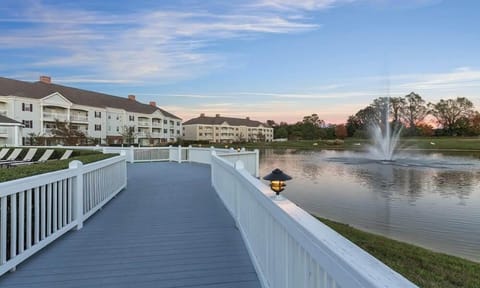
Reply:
x=100, y=116
x=220, y=129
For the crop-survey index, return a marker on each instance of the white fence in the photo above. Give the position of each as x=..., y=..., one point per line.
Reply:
x=187, y=154
x=289, y=247
x=34, y=211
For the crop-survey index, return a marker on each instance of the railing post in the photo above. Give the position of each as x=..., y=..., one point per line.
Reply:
x=188, y=153
x=78, y=192
x=132, y=154
x=124, y=154
x=212, y=168
x=169, y=154
x=238, y=166
x=179, y=153
x=257, y=163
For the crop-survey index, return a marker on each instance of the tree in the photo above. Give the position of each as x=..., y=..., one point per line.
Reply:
x=341, y=131
x=314, y=120
x=271, y=123
x=414, y=112
x=128, y=134
x=397, y=107
x=353, y=124
x=68, y=133
x=451, y=113
x=281, y=132
x=260, y=137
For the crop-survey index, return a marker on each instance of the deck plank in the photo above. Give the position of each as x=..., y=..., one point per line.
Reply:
x=167, y=229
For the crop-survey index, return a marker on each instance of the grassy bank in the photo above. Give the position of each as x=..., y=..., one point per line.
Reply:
x=423, y=143
x=421, y=266
x=7, y=174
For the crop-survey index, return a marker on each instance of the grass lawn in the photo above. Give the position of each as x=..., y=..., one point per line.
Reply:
x=423, y=143
x=421, y=266
x=7, y=174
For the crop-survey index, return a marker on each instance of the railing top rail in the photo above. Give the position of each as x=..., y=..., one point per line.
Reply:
x=14, y=186
x=339, y=256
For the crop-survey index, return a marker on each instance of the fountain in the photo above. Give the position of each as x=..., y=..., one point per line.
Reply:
x=385, y=141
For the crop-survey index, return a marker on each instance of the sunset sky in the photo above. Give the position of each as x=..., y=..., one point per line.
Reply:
x=267, y=59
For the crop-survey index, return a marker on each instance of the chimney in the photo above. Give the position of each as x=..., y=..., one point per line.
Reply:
x=131, y=97
x=152, y=103
x=248, y=118
x=202, y=115
x=217, y=115
x=46, y=79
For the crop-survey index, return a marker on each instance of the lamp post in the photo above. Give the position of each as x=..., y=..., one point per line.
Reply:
x=277, y=181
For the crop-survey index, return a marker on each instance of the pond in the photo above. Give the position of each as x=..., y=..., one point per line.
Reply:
x=431, y=200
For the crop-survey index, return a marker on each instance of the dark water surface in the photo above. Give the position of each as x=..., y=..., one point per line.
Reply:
x=431, y=200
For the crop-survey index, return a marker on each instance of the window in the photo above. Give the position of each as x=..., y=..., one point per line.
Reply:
x=199, y=127
x=178, y=123
x=27, y=107
x=98, y=127
x=118, y=129
x=178, y=132
x=165, y=131
x=98, y=114
x=131, y=118
x=200, y=134
x=165, y=122
x=118, y=118
x=28, y=123
x=109, y=117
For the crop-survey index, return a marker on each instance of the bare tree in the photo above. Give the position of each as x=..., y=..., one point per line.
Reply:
x=415, y=110
x=68, y=133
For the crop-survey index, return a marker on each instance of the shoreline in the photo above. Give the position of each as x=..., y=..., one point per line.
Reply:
x=422, y=266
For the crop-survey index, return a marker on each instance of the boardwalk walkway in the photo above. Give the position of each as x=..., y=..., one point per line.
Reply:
x=167, y=229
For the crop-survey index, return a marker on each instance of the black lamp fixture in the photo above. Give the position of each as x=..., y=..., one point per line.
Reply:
x=277, y=180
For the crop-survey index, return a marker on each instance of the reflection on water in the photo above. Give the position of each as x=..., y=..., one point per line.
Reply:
x=430, y=200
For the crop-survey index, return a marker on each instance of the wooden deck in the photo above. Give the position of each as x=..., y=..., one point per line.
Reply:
x=167, y=229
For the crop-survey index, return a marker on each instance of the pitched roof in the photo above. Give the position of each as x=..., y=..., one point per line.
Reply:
x=6, y=120
x=38, y=90
x=217, y=120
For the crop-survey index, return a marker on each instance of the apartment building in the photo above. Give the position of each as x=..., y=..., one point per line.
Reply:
x=226, y=129
x=37, y=105
x=10, y=131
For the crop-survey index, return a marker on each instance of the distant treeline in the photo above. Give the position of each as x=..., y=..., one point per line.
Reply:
x=451, y=117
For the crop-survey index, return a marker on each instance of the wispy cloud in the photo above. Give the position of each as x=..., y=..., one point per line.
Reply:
x=301, y=4
x=161, y=45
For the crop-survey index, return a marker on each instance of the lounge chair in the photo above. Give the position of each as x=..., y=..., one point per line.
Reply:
x=66, y=155
x=28, y=157
x=3, y=152
x=12, y=156
x=46, y=155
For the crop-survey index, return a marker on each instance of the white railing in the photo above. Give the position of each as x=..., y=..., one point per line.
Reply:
x=82, y=118
x=151, y=154
x=290, y=248
x=35, y=211
x=54, y=116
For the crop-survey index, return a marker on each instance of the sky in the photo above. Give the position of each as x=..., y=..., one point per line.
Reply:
x=265, y=59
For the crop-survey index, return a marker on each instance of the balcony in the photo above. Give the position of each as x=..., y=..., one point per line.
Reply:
x=78, y=118
x=157, y=135
x=51, y=116
x=143, y=123
x=157, y=124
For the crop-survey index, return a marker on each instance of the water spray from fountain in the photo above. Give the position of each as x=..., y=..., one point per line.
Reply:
x=385, y=141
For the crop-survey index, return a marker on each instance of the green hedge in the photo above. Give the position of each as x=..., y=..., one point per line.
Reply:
x=85, y=156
